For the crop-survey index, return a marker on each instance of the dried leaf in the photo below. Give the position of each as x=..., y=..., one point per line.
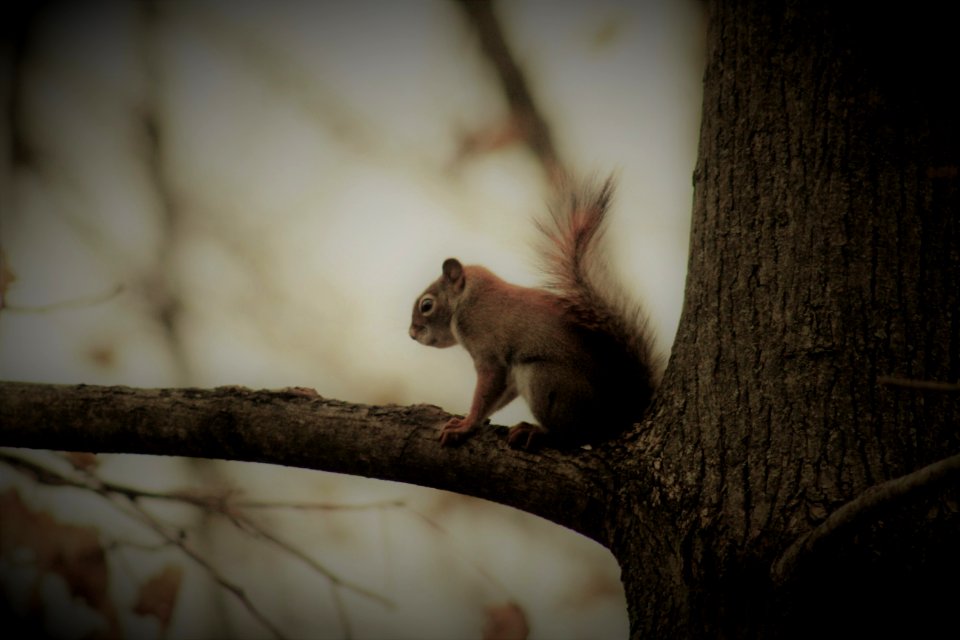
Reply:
x=158, y=595
x=73, y=552
x=82, y=461
x=506, y=622
x=102, y=355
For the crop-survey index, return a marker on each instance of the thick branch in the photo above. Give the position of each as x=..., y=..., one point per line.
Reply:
x=300, y=429
x=861, y=507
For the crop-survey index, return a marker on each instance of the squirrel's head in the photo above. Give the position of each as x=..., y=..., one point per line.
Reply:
x=434, y=308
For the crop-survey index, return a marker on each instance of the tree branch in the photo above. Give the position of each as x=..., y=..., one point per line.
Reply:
x=924, y=385
x=134, y=510
x=216, y=504
x=233, y=588
x=860, y=507
x=516, y=89
x=300, y=429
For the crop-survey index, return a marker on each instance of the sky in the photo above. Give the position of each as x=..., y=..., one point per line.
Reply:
x=255, y=193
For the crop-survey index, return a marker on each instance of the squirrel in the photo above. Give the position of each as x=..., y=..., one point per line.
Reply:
x=575, y=350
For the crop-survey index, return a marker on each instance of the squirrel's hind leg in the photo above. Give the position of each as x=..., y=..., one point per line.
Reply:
x=525, y=435
x=559, y=398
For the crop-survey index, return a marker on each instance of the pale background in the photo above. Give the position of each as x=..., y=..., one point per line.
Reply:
x=309, y=182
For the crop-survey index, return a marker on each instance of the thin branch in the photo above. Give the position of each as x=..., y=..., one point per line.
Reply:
x=466, y=558
x=860, y=508
x=110, y=544
x=211, y=570
x=217, y=504
x=334, y=579
x=516, y=89
x=136, y=511
x=910, y=383
x=571, y=488
x=40, y=473
x=341, y=610
x=336, y=582
x=212, y=501
x=71, y=303
x=319, y=506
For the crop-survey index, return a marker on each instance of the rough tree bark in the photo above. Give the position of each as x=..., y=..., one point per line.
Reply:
x=824, y=255
x=824, y=268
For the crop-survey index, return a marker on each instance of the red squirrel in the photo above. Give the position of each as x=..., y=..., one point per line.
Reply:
x=575, y=350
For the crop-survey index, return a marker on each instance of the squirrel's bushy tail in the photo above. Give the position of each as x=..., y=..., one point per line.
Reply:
x=578, y=272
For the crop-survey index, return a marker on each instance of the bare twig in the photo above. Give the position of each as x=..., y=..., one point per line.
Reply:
x=160, y=286
x=133, y=509
x=860, y=507
x=516, y=89
x=466, y=558
x=910, y=383
x=319, y=506
x=72, y=303
x=109, y=544
x=341, y=610
x=211, y=570
x=220, y=504
x=336, y=580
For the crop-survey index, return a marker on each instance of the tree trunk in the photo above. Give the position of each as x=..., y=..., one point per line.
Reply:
x=825, y=256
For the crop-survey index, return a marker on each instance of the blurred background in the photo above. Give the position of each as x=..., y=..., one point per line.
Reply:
x=254, y=193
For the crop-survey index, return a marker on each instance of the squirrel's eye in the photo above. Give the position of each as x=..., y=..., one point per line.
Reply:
x=426, y=305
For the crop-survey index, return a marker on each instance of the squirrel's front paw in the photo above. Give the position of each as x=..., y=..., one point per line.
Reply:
x=454, y=431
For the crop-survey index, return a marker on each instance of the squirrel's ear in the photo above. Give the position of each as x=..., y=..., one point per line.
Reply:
x=453, y=271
